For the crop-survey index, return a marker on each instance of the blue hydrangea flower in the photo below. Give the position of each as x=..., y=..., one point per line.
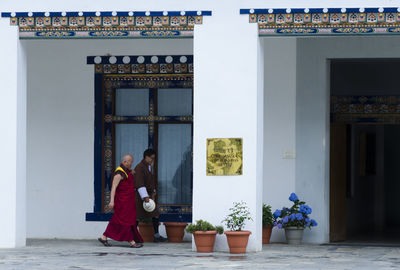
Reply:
x=277, y=213
x=305, y=209
x=280, y=226
x=293, y=197
x=299, y=216
x=313, y=223
x=292, y=217
x=307, y=222
x=285, y=219
x=275, y=224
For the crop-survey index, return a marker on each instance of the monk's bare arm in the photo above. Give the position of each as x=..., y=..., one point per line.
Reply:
x=115, y=183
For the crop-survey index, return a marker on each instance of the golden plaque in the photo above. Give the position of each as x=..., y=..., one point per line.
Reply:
x=225, y=156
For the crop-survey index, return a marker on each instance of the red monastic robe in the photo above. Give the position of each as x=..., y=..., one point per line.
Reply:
x=122, y=226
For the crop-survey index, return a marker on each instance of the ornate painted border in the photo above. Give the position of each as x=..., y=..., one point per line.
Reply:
x=147, y=64
x=106, y=24
x=325, y=21
x=365, y=109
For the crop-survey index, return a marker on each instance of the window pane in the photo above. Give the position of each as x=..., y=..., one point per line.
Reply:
x=175, y=102
x=130, y=139
x=132, y=102
x=175, y=164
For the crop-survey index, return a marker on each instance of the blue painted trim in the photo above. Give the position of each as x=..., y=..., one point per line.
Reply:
x=108, y=13
x=98, y=142
x=317, y=10
x=97, y=216
x=391, y=9
x=123, y=13
x=297, y=10
x=176, y=218
x=279, y=10
x=55, y=14
x=72, y=14
x=147, y=59
x=87, y=14
x=335, y=10
x=373, y=10
x=178, y=13
x=163, y=217
x=151, y=133
x=38, y=14
x=156, y=13
x=352, y=10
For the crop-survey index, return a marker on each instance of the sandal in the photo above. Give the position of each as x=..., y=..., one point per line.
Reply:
x=136, y=245
x=104, y=242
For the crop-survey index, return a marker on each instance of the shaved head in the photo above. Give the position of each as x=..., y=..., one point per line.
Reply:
x=127, y=157
x=127, y=160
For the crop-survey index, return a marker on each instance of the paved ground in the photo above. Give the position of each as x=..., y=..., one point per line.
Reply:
x=67, y=254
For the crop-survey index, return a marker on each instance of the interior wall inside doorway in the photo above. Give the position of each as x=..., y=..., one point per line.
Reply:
x=61, y=128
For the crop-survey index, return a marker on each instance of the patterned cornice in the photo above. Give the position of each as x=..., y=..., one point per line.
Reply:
x=325, y=21
x=106, y=24
x=142, y=64
x=366, y=109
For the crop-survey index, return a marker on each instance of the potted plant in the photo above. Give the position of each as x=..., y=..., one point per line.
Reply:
x=294, y=220
x=268, y=223
x=146, y=229
x=235, y=221
x=204, y=235
x=175, y=231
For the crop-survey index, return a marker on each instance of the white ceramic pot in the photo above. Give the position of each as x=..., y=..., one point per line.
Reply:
x=294, y=235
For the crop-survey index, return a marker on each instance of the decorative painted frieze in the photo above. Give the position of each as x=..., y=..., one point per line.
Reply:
x=365, y=109
x=133, y=24
x=147, y=64
x=325, y=21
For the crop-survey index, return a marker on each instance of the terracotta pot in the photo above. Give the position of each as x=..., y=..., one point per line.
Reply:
x=237, y=241
x=175, y=231
x=266, y=234
x=204, y=240
x=146, y=230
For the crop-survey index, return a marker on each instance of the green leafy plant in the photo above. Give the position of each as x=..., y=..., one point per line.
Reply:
x=204, y=226
x=268, y=218
x=240, y=212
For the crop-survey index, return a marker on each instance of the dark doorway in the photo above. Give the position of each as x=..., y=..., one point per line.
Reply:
x=365, y=151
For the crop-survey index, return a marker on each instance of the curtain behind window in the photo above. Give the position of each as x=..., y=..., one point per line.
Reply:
x=175, y=163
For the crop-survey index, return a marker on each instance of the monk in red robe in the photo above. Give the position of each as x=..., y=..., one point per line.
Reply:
x=122, y=226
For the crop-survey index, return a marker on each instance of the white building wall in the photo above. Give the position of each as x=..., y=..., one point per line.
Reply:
x=60, y=103
x=12, y=139
x=61, y=130
x=279, y=123
x=225, y=106
x=312, y=115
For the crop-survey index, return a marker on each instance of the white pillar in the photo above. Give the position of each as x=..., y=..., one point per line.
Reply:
x=12, y=138
x=228, y=103
x=279, y=124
